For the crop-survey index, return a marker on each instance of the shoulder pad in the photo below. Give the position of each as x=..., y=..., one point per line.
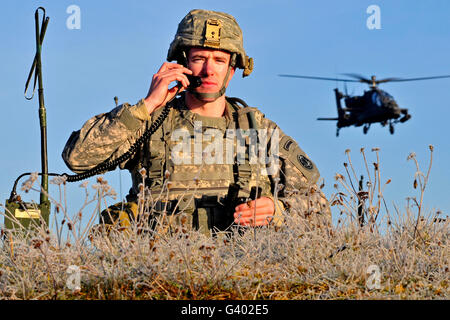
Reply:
x=290, y=150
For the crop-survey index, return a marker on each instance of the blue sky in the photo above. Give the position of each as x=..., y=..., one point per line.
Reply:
x=120, y=44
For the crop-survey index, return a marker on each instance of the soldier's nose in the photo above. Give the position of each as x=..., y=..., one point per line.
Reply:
x=208, y=68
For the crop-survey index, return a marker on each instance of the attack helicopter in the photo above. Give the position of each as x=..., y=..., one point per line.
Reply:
x=374, y=106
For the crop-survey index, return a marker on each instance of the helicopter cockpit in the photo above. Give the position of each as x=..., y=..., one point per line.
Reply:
x=376, y=98
x=381, y=98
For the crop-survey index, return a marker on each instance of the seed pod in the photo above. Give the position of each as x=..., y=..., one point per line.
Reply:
x=143, y=172
x=36, y=243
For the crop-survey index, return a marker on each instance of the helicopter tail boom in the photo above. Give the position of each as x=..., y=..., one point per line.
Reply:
x=328, y=119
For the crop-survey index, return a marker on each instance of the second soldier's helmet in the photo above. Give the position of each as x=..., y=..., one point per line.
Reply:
x=210, y=29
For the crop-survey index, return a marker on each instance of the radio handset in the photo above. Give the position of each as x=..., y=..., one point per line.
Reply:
x=194, y=81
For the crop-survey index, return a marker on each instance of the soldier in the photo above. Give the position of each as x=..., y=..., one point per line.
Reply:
x=197, y=172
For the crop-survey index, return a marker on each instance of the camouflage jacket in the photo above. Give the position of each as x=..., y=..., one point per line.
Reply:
x=193, y=155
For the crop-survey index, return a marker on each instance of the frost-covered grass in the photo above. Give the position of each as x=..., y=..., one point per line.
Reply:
x=404, y=255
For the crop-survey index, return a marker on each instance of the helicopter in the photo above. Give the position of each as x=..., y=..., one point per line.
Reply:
x=374, y=106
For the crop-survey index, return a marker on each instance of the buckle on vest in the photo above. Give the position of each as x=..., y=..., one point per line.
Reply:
x=154, y=174
x=244, y=170
x=155, y=170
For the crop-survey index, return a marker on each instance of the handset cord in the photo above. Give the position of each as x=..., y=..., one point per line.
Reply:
x=111, y=164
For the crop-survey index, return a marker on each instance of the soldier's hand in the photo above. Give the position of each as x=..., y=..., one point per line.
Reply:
x=257, y=212
x=159, y=92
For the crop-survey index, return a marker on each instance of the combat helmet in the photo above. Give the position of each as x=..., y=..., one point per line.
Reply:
x=215, y=30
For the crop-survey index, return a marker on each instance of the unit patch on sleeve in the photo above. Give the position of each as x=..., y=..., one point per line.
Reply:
x=292, y=152
x=305, y=162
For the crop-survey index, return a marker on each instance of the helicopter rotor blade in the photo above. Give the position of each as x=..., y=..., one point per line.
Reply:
x=315, y=78
x=327, y=118
x=388, y=80
x=411, y=79
x=359, y=77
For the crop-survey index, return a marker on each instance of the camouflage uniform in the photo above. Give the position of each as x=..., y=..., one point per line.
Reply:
x=199, y=187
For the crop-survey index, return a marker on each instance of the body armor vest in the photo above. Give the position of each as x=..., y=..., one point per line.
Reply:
x=192, y=155
x=191, y=160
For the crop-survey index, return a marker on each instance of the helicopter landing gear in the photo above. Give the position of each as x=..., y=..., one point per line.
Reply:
x=337, y=132
x=366, y=128
x=391, y=127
